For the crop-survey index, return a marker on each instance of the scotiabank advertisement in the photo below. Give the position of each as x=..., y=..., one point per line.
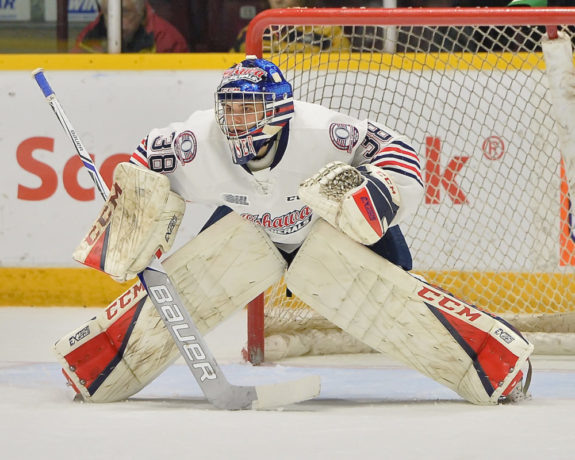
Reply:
x=495, y=194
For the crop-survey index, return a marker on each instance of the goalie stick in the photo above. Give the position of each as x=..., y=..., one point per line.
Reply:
x=177, y=319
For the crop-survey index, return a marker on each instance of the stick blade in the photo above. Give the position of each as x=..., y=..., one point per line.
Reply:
x=284, y=393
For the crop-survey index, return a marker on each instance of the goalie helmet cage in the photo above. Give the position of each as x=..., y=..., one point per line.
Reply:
x=468, y=87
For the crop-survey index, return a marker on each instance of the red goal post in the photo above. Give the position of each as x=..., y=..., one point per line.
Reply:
x=468, y=86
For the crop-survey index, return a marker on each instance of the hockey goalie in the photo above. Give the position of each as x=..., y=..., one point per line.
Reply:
x=298, y=190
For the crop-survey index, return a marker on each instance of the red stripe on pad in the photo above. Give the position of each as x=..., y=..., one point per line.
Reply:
x=91, y=359
x=494, y=358
x=94, y=258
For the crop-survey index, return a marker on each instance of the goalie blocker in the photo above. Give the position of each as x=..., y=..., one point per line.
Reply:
x=476, y=354
x=141, y=216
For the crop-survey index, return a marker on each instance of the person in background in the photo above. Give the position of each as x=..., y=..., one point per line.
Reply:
x=143, y=31
x=308, y=38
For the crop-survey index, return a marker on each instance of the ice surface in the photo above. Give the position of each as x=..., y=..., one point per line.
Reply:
x=369, y=408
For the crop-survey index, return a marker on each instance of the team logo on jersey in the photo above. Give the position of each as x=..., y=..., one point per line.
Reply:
x=185, y=146
x=285, y=224
x=239, y=72
x=236, y=199
x=343, y=136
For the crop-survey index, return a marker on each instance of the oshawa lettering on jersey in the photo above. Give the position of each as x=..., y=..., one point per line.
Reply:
x=195, y=156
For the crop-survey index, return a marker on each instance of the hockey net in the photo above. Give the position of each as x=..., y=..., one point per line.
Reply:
x=469, y=88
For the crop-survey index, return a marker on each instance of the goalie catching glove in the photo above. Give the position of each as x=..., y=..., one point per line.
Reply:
x=140, y=217
x=361, y=202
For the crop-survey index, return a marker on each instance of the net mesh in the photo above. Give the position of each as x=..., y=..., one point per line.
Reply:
x=494, y=228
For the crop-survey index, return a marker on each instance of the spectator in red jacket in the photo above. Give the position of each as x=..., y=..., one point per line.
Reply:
x=143, y=31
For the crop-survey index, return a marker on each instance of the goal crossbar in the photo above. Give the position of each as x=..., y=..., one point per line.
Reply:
x=552, y=16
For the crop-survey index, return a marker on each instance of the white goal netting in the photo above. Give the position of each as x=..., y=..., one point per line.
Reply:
x=495, y=226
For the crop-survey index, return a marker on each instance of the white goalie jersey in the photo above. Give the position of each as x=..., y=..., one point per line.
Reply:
x=195, y=156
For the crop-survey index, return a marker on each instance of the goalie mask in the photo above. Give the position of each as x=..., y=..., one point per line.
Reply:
x=253, y=103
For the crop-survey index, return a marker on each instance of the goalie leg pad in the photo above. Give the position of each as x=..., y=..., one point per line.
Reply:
x=116, y=354
x=224, y=268
x=475, y=354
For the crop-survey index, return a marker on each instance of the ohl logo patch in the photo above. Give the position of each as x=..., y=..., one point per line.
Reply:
x=344, y=137
x=185, y=146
